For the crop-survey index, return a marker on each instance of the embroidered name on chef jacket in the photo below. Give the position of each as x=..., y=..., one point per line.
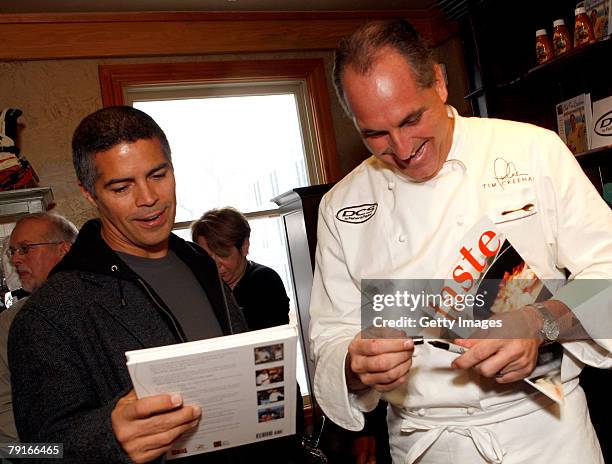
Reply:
x=506, y=173
x=357, y=214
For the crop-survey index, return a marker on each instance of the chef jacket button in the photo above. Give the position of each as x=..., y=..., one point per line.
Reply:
x=459, y=220
x=402, y=238
x=391, y=185
x=421, y=412
x=470, y=411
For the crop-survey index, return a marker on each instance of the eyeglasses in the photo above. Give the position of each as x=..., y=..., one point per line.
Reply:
x=25, y=249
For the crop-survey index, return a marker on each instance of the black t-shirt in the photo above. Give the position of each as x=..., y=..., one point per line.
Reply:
x=262, y=296
x=176, y=285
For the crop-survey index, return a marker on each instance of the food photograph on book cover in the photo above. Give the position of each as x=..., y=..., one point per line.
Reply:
x=269, y=376
x=509, y=284
x=270, y=414
x=270, y=395
x=269, y=353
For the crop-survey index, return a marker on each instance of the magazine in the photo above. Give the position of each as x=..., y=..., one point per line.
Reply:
x=502, y=280
x=601, y=133
x=598, y=12
x=244, y=383
x=574, y=122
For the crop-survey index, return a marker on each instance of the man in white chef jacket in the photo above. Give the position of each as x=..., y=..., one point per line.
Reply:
x=401, y=214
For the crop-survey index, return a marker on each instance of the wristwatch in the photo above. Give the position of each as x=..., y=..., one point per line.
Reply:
x=550, y=326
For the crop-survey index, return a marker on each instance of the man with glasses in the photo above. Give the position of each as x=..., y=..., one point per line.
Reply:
x=38, y=242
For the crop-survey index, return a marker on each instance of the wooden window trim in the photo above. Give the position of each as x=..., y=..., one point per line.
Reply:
x=115, y=78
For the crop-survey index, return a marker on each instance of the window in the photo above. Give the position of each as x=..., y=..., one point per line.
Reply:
x=236, y=149
x=237, y=140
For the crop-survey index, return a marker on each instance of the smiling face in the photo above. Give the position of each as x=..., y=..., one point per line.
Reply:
x=401, y=123
x=135, y=196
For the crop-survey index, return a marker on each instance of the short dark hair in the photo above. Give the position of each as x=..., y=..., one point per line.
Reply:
x=59, y=229
x=105, y=128
x=360, y=50
x=223, y=228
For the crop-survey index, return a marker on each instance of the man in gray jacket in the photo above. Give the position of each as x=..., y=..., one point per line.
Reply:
x=37, y=243
x=127, y=283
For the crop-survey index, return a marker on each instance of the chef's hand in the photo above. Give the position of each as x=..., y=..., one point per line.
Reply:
x=506, y=360
x=379, y=363
x=495, y=352
x=146, y=427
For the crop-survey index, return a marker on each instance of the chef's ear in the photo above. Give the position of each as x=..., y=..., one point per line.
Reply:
x=440, y=83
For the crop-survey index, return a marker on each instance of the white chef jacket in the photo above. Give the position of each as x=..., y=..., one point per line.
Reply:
x=408, y=232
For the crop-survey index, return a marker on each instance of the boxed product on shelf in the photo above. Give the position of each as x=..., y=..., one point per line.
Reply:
x=574, y=121
x=601, y=131
x=599, y=12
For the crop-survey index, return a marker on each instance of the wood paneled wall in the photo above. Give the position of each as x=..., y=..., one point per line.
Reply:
x=88, y=35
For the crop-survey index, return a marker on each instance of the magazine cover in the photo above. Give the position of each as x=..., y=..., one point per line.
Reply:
x=487, y=284
x=502, y=282
x=598, y=12
x=601, y=133
x=574, y=122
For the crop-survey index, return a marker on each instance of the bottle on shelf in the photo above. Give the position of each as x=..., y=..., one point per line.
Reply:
x=583, y=29
x=543, y=48
x=561, y=38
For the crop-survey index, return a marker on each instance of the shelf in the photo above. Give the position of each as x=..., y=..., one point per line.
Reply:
x=568, y=62
x=595, y=156
x=25, y=201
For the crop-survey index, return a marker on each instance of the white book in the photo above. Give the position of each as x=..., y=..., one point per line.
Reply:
x=601, y=132
x=244, y=383
x=574, y=120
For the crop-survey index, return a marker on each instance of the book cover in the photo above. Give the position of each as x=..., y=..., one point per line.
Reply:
x=601, y=133
x=574, y=122
x=598, y=12
x=244, y=383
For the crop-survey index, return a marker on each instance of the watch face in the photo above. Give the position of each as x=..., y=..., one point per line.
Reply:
x=551, y=330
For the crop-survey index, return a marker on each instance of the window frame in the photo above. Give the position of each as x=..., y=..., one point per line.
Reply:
x=115, y=79
x=296, y=88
